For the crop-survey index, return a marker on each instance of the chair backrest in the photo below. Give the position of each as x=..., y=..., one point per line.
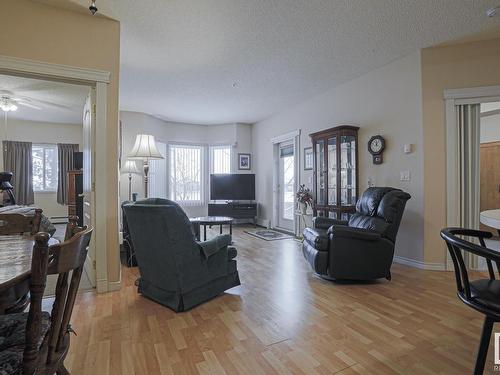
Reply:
x=163, y=240
x=458, y=244
x=66, y=260
x=380, y=209
x=17, y=223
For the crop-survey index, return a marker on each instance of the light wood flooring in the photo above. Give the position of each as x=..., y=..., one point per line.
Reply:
x=282, y=320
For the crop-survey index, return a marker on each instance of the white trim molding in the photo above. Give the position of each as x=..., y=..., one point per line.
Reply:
x=419, y=264
x=488, y=92
x=99, y=80
x=17, y=65
x=286, y=137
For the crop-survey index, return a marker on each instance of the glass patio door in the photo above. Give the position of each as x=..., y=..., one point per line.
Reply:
x=286, y=215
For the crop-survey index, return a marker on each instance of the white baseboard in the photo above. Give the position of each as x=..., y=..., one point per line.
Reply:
x=266, y=223
x=102, y=286
x=114, y=285
x=419, y=264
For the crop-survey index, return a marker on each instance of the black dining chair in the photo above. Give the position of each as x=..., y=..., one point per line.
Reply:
x=482, y=295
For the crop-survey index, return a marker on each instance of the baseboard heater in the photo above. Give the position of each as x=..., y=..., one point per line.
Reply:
x=59, y=219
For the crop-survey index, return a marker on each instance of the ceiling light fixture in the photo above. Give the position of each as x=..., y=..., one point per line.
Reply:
x=492, y=12
x=7, y=105
x=93, y=8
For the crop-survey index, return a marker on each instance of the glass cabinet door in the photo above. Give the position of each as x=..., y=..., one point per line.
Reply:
x=348, y=170
x=320, y=172
x=332, y=171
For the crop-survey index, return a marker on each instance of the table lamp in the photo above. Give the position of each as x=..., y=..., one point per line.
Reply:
x=145, y=149
x=130, y=167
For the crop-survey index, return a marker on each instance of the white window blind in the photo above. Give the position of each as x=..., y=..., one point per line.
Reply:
x=186, y=174
x=220, y=159
x=45, y=167
x=157, y=183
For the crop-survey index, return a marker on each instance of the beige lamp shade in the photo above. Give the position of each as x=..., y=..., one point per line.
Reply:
x=130, y=166
x=145, y=148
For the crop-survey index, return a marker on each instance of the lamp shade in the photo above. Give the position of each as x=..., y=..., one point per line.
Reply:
x=145, y=148
x=130, y=167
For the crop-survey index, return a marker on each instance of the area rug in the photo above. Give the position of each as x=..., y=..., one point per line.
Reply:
x=268, y=234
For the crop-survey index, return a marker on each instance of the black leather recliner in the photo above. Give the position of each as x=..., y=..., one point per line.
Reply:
x=363, y=247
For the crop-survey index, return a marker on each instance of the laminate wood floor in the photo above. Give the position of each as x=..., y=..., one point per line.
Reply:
x=282, y=320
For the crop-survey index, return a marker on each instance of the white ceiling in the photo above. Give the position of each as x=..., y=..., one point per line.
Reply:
x=58, y=102
x=220, y=61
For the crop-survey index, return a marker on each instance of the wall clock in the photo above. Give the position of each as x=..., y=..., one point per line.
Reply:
x=376, y=146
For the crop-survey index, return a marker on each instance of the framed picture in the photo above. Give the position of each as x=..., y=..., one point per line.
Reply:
x=244, y=161
x=308, y=158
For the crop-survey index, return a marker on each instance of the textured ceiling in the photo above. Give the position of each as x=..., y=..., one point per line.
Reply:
x=219, y=61
x=58, y=102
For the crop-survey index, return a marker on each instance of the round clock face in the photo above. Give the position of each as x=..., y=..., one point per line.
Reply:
x=376, y=145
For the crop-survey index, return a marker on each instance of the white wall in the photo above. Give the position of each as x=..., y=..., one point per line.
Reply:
x=490, y=128
x=387, y=101
x=43, y=132
x=133, y=123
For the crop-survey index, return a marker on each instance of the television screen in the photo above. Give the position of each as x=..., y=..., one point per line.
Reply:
x=232, y=187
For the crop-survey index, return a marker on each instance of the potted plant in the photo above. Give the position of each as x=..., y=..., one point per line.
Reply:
x=305, y=198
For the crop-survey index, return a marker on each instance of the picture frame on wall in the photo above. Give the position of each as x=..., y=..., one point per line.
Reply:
x=244, y=162
x=308, y=158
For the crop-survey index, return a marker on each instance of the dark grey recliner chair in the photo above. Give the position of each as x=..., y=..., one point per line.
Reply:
x=363, y=247
x=177, y=271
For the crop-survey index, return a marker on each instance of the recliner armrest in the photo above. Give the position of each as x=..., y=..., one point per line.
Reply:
x=320, y=222
x=213, y=245
x=355, y=233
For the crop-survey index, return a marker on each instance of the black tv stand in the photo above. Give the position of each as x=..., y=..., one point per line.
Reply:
x=235, y=210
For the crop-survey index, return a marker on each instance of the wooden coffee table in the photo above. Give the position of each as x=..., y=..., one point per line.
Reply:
x=210, y=220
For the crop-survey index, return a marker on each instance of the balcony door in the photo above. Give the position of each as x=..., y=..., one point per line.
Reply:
x=286, y=186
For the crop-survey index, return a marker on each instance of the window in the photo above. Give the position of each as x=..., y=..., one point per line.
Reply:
x=45, y=167
x=186, y=174
x=157, y=177
x=220, y=159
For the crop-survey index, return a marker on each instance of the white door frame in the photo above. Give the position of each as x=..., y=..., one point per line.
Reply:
x=452, y=98
x=294, y=137
x=100, y=80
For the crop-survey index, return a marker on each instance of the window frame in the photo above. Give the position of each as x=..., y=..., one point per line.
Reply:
x=44, y=147
x=211, y=150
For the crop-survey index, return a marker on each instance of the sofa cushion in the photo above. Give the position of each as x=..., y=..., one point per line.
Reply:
x=375, y=224
x=11, y=362
x=13, y=330
x=317, y=238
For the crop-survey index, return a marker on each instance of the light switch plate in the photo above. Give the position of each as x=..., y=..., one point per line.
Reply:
x=404, y=175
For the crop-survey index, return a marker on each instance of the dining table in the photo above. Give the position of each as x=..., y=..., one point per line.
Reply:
x=15, y=271
x=491, y=218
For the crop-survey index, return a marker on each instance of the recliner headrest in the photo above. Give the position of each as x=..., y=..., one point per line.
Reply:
x=370, y=200
x=391, y=205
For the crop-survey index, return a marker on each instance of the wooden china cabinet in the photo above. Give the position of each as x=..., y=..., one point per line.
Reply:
x=335, y=171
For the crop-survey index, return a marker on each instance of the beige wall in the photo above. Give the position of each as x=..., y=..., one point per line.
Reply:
x=39, y=32
x=456, y=66
x=386, y=101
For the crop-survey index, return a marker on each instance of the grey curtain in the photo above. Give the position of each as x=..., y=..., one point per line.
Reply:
x=17, y=158
x=65, y=152
x=468, y=121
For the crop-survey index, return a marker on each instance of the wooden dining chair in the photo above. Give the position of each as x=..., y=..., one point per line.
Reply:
x=16, y=223
x=483, y=295
x=42, y=340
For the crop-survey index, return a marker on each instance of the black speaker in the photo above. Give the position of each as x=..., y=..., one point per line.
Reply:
x=78, y=160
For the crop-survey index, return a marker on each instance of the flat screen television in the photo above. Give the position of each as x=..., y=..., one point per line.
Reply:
x=234, y=187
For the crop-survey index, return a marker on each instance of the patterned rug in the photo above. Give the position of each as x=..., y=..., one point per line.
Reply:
x=268, y=234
